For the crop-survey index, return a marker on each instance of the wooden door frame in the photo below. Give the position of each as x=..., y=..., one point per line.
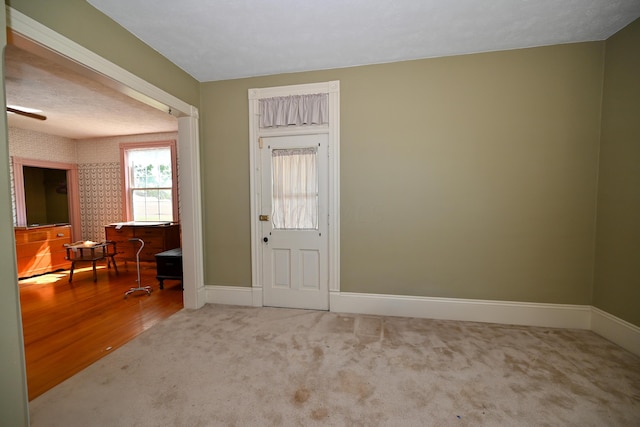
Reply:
x=332, y=88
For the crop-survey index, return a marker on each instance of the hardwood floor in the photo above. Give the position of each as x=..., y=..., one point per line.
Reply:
x=68, y=326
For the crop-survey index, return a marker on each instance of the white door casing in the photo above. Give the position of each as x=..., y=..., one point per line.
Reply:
x=295, y=261
x=258, y=136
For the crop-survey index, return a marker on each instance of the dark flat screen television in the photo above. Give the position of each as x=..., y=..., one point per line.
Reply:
x=45, y=193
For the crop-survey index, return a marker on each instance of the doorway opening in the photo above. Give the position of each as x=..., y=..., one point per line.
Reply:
x=24, y=30
x=29, y=34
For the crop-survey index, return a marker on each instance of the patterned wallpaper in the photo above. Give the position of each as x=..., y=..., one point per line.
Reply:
x=100, y=197
x=41, y=146
x=98, y=171
x=101, y=181
x=105, y=150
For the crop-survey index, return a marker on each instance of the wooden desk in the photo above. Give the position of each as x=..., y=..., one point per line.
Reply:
x=91, y=252
x=157, y=238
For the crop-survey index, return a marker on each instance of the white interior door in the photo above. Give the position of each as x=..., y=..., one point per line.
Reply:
x=294, y=221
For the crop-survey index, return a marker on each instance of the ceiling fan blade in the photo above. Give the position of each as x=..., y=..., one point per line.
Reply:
x=26, y=114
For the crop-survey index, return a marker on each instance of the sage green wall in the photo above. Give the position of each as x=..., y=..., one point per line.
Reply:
x=14, y=409
x=617, y=267
x=85, y=25
x=469, y=177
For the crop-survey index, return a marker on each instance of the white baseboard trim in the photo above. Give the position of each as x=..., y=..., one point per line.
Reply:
x=505, y=312
x=201, y=298
x=569, y=316
x=616, y=330
x=257, y=297
x=229, y=295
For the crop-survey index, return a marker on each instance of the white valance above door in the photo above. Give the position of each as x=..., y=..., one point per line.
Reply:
x=294, y=110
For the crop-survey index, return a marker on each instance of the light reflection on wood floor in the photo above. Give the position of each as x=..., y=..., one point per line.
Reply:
x=68, y=326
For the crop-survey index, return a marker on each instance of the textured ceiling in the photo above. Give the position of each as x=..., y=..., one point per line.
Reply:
x=226, y=39
x=77, y=106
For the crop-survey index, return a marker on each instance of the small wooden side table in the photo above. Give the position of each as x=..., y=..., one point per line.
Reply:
x=91, y=252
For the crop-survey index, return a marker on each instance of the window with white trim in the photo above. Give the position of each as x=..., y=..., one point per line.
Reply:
x=150, y=181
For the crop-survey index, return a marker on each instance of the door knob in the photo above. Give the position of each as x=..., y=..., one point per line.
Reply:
x=266, y=239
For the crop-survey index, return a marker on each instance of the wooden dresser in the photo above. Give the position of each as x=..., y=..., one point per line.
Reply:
x=40, y=249
x=157, y=238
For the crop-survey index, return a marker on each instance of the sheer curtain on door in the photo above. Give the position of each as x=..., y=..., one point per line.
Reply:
x=294, y=171
x=295, y=189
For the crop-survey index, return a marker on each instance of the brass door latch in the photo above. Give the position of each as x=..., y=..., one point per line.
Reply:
x=264, y=217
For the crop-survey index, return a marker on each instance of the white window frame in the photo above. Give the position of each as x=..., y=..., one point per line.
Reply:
x=124, y=168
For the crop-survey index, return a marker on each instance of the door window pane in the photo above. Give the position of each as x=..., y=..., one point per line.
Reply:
x=295, y=189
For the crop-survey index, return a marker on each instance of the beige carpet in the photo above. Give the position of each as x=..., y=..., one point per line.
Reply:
x=243, y=366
